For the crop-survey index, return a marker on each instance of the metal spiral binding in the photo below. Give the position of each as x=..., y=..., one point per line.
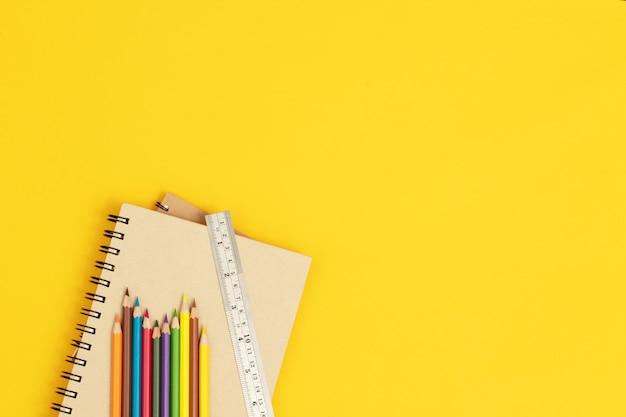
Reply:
x=95, y=297
x=70, y=376
x=112, y=234
x=79, y=344
x=118, y=219
x=66, y=392
x=76, y=360
x=109, y=249
x=100, y=281
x=84, y=329
x=162, y=206
x=61, y=408
x=91, y=313
x=105, y=265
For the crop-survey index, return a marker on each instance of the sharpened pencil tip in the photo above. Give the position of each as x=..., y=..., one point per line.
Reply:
x=203, y=329
x=193, y=304
x=174, y=315
x=117, y=318
x=165, y=319
x=137, y=302
x=156, y=323
x=146, y=314
x=126, y=293
x=184, y=297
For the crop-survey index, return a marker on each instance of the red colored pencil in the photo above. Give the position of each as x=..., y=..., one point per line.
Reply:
x=146, y=367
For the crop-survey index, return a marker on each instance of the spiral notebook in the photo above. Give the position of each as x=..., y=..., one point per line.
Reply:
x=159, y=257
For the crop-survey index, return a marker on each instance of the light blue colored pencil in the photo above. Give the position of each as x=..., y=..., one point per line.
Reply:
x=135, y=403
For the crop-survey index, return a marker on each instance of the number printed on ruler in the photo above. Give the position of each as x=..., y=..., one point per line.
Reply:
x=239, y=315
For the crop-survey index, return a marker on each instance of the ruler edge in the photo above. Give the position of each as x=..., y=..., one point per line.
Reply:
x=249, y=314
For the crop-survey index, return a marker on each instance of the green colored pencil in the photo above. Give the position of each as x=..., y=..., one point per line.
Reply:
x=184, y=357
x=175, y=368
x=156, y=371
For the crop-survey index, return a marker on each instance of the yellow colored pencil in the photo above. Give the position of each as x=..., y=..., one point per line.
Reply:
x=116, y=369
x=184, y=358
x=204, y=373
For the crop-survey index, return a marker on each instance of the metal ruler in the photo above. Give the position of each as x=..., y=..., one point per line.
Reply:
x=239, y=315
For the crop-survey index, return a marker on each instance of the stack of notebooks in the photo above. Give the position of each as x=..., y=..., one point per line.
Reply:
x=162, y=254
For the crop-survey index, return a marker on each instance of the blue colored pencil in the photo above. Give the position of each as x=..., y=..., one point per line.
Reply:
x=165, y=369
x=135, y=406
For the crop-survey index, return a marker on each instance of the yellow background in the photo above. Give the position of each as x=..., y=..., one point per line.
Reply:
x=455, y=169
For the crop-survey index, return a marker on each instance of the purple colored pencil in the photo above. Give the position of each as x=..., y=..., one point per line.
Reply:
x=165, y=368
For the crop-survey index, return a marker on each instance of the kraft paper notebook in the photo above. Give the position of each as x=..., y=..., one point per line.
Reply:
x=278, y=294
x=158, y=257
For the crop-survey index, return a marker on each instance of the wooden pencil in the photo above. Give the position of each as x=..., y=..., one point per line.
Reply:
x=127, y=338
x=165, y=368
x=175, y=367
x=135, y=405
x=204, y=357
x=193, y=361
x=146, y=367
x=184, y=358
x=116, y=369
x=156, y=370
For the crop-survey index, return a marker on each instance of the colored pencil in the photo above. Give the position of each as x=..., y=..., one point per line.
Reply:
x=116, y=369
x=175, y=368
x=136, y=362
x=204, y=357
x=127, y=338
x=156, y=371
x=184, y=358
x=146, y=367
x=193, y=361
x=165, y=368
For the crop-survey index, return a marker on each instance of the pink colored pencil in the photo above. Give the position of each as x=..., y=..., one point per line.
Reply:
x=146, y=367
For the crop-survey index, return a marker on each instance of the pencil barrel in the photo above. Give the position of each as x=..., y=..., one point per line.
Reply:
x=175, y=374
x=156, y=377
x=168, y=368
x=136, y=369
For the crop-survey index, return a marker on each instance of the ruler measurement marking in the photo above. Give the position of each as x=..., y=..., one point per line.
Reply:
x=239, y=316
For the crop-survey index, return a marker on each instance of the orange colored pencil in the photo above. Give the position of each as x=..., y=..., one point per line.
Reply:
x=146, y=367
x=116, y=369
x=193, y=362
